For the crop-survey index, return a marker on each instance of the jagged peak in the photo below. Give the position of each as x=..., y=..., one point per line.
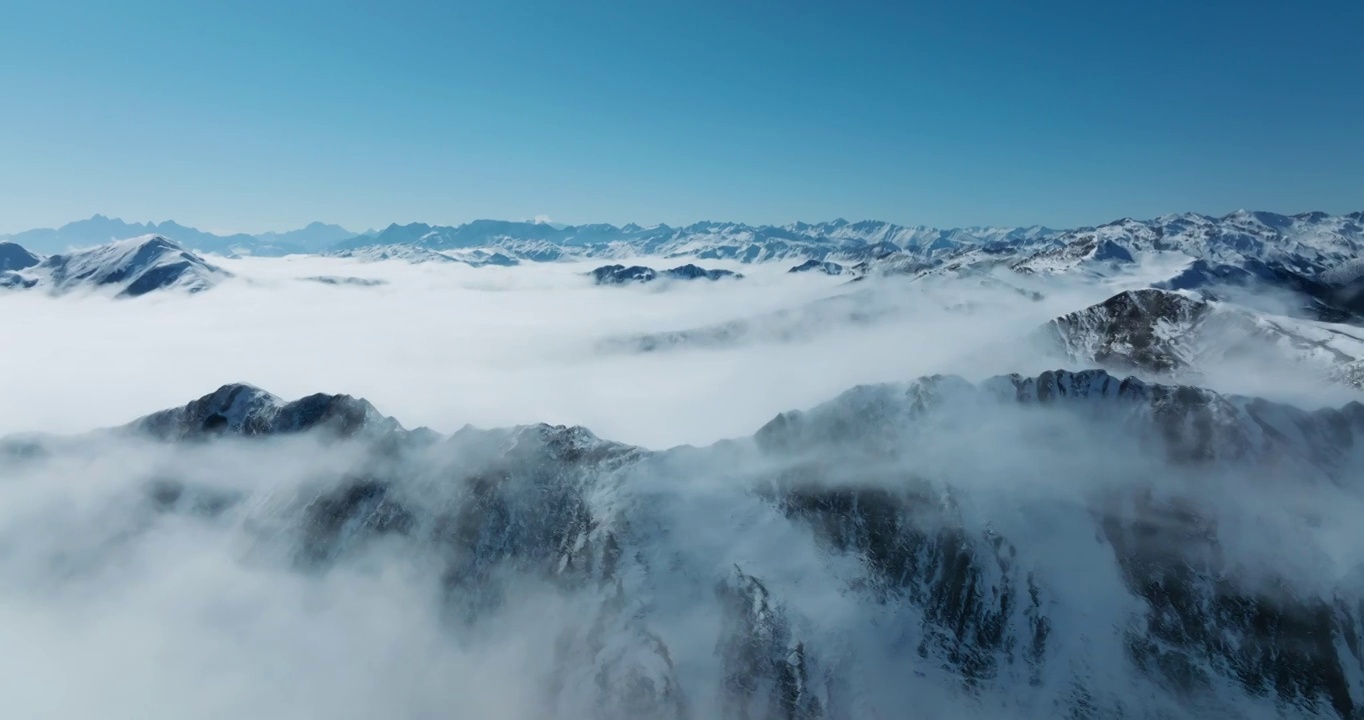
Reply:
x=1154, y=301
x=246, y=410
x=152, y=240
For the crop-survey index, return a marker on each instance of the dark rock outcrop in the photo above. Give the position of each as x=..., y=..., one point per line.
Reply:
x=622, y=275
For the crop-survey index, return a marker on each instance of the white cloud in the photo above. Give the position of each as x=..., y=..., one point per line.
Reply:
x=444, y=345
x=109, y=610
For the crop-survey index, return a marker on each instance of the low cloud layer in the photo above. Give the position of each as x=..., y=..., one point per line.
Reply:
x=936, y=546
x=445, y=345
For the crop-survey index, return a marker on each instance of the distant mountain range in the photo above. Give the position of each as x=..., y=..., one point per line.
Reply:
x=99, y=230
x=1313, y=259
x=1262, y=235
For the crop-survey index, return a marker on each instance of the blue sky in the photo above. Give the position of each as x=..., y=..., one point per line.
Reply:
x=264, y=115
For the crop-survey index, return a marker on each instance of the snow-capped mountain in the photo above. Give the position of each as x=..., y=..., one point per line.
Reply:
x=134, y=267
x=1179, y=334
x=100, y=230
x=1307, y=241
x=848, y=561
x=1314, y=255
x=477, y=257
x=837, y=240
x=622, y=275
x=246, y=410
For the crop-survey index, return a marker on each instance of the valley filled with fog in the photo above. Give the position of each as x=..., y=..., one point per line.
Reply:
x=816, y=471
x=445, y=346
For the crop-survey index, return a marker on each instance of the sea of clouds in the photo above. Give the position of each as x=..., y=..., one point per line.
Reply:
x=108, y=609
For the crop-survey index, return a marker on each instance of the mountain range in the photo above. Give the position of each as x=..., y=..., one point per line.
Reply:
x=854, y=557
x=1315, y=256
x=1123, y=541
x=1267, y=236
x=99, y=230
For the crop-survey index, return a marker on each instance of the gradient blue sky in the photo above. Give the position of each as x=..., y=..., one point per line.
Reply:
x=251, y=115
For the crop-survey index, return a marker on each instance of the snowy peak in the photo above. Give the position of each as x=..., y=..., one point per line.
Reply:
x=245, y=410
x=1136, y=330
x=1177, y=335
x=1306, y=242
x=136, y=266
x=889, y=546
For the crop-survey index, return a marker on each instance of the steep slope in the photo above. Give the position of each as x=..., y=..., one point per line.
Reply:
x=1172, y=334
x=851, y=560
x=136, y=267
x=15, y=257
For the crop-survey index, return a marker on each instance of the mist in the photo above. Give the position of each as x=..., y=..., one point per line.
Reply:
x=444, y=345
x=933, y=544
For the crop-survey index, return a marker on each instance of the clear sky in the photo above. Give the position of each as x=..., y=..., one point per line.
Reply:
x=250, y=115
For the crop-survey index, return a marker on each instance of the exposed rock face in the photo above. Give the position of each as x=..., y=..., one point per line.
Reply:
x=932, y=589
x=1176, y=335
x=621, y=275
x=245, y=410
x=826, y=267
x=766, y=670
x=1138, y=330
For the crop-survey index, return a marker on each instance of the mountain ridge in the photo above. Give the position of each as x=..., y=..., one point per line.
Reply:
x=320, y=237
x=136, y=266
x=100, y=229
x=869, y=549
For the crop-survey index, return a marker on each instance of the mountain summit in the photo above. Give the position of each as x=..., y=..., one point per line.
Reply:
x=135, y=266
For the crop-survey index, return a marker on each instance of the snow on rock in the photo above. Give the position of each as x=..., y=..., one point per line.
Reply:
x=622, y=275
x=135, y=266
x=841, y=570
x=241, y=409
x=1171, y=334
